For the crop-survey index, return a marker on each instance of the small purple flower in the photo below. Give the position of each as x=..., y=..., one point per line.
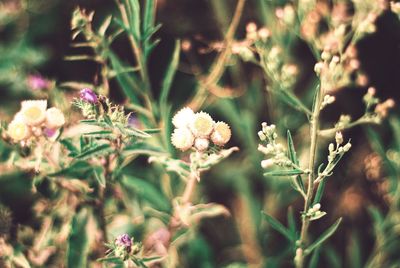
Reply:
x=88, y=95
x=50, y=132
x=133, y=121
x=123, y=240
x=37, y=82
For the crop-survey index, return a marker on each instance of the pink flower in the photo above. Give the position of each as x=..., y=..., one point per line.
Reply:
x=37, y=82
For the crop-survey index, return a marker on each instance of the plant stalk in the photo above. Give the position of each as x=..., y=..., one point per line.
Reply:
x=299, y=259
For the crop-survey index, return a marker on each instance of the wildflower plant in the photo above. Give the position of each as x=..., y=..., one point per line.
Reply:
x=110, y=171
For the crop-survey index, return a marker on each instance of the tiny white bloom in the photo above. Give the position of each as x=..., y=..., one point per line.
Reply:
x=54, y=118
x=182, y=139
x=33, y=112
x=267, y=163
x=183, y=118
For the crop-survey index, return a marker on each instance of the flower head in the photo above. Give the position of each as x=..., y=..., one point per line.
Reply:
x=33, y=112
x=54, y=118
x=221, y=134
x=183, y=118
x=123, y=240
x=18, y=130
x=182, y=139
x=202, y=125
x=88, y=95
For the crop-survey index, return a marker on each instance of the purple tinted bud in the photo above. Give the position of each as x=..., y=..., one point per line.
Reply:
x=133, y=121
x=123, y=240
x=88, y=95
x=50, y=132
x=37, y=82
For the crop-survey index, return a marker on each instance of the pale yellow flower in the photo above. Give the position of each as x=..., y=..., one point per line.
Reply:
x=18, y=130
x=182, y=139
x=221, y=134
x=183, y=118
x=202, y=125
x=33, y=112
x=54, y=118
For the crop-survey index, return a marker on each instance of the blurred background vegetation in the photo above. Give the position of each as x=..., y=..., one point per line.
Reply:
x=35, y=37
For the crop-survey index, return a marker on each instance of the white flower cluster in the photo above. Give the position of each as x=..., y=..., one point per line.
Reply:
x=197, y=129
x=339, y=150
x=35, y=120
x=274, y=150
x=314, y=212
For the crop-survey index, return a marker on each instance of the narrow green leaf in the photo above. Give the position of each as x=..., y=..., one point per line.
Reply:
x=146, y=191
x=320, y=192
x=284, y=173
x=70, y=146
x=292, y=151
x=100, y=149
x=98, y=172
x=78, y=246
x=328, y=233
x=278, y=226
x=142, y=148
x=149, y=15
x=314, y=258
x=134, y=17
x=169, y=76
x=291, y=221
x=78, y=169
x=129, y=85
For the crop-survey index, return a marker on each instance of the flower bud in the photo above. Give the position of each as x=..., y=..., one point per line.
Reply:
x=267, y=163
x=88, y=95
x=339, y=137
x=201, y=144
x=347, y=147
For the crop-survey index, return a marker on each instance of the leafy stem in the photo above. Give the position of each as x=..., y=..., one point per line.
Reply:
x=314, y=125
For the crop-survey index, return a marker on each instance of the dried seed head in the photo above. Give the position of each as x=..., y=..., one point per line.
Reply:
x=33, y=112
x=182, y=139
x=18, y=131
x=183, y=117
x=221, y=134
x=202, y=125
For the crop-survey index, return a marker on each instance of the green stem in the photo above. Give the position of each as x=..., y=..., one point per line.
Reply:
x=299, y=260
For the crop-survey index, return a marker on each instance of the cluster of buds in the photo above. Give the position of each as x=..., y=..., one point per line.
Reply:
x=197, y=130
x=328, y=99
x=314, y=212
x=286, y=14
x=334, y=151
x=253, y=33
x=274, y=150
x=381, y=109
x=34, y=120
x=124, y=247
